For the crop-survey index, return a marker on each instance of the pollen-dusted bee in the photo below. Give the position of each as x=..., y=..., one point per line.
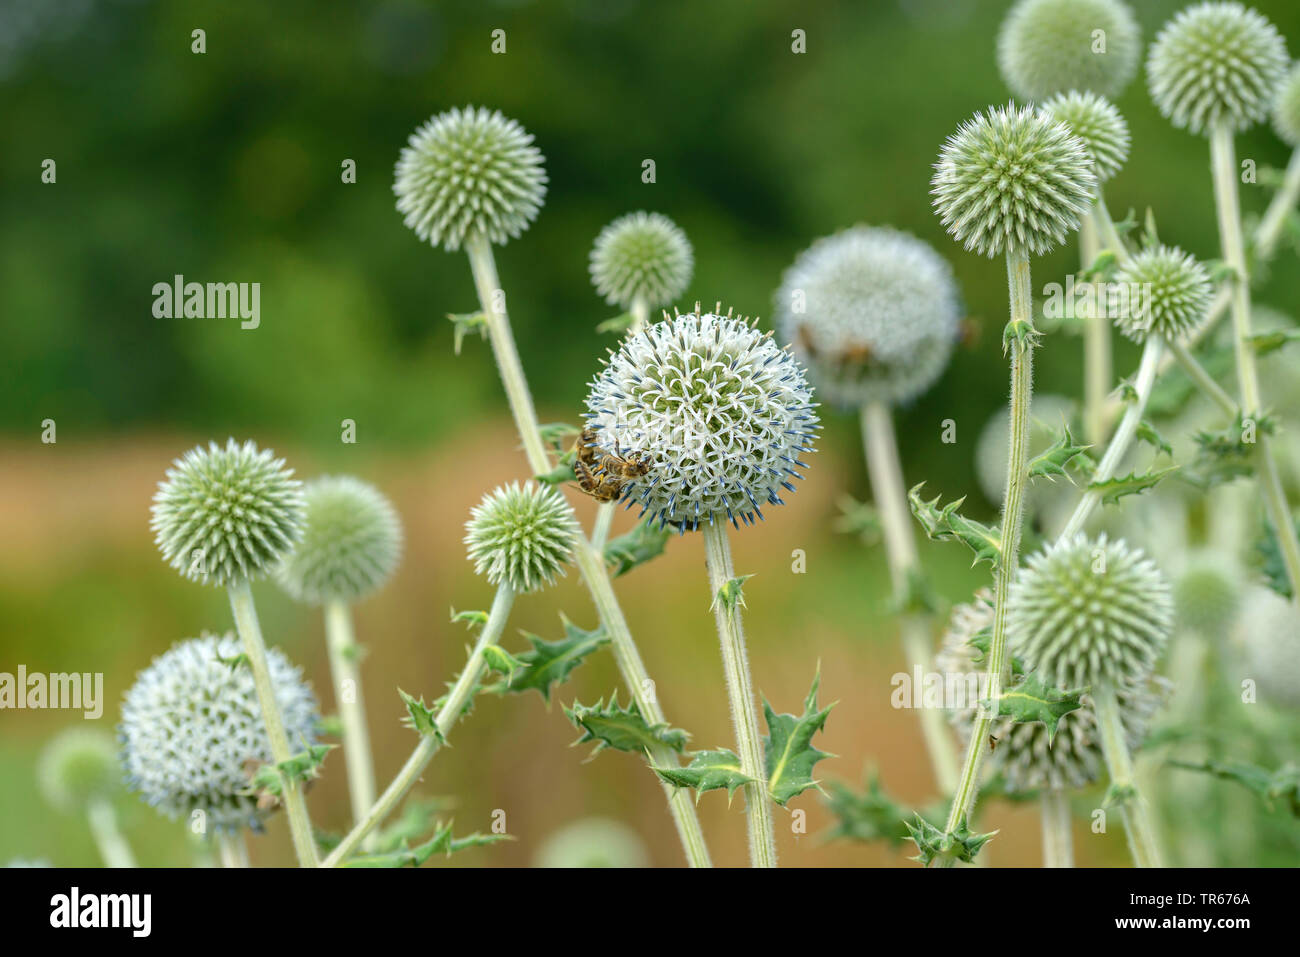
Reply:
x=603, y=476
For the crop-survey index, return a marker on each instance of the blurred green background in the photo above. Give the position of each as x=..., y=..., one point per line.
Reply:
x=226, y=166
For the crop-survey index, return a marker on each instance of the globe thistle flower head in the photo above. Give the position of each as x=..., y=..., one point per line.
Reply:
x=521, y=536
x=350, y=546
x=872, y=312
x=1269, y=629
x=227, y=514
x=1207, y=595
x=1051, y=46
x=641, y=256
x=719, y=412
x=1286, y=108
x=1216, y=62
x=469, y=172
x=78, y=767
x=1166, y=292
x=1012, y=178
x=1098, y=125
x=192, y=730
x=1089, y=612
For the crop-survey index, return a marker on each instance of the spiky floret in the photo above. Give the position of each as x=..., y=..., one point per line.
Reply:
x=1051, y=46
x=1216, y=61
x=872, y=312
x=1162, y=291
x=1026, y=756
x=1286, y=108
x=717, y=409
x=1086, y=611
x=78, y=767
x=1207, y=595
x=521, y=535
x=1010, y=178
x=351, y=544
x=227, y=514
x=1269, y=629
x=469, y=171
x=641, y=255
x=192, y=730
x=1098, y=125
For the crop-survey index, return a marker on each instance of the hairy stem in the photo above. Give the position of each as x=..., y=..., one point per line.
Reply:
x=113, y=848
x=1123, y=782
x=1097, y=354
x=343, y=651
x=232, y=850
x=1058, y=841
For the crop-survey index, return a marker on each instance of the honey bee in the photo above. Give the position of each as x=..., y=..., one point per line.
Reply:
x=604, y=476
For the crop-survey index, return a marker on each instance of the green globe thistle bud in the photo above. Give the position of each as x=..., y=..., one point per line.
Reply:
x=1168, y=294
x=78, y=768
x=593, y=842
x=1207, y=595
x=713, y=411
x=192, y=730
x=1098, y=125
x=1012, y=178
x=1286, y=108
x=468, y=172
x=1087, y=612
x=1216, y=61
x=1051, y=46
x=226, y=515
x=641, y=256
x=872, y=312
x=521, y=536
x=1269, y=630
x=351, y=544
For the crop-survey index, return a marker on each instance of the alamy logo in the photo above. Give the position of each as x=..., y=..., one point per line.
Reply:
x=179, y=299
x=75, y=909
x=82, y=691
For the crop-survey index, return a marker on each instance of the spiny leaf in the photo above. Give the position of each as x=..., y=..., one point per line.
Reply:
x=550, y=662
x=982, y=641
x=1114, y=489
x=619, y=324
x=731, y=594
x=442, y=841
x=708, y=771
x=563, y=472
x=500, y=660
x=1030, y=700
x=472, y=619
x=1022, y=334
x=1225, y=454
x=422, y=718
x=1280, y=785
x=1266, y=342
x=640, y=545
x=463, y=323
x=947, y=524
x=788, y=753
x=858, y=518
x=1146, y=432
x=623, y=729
x=303, y=766
x=934, y=844
x=419, y=815
x=1102, y=266
x=1271, y=562
x=558, y=433
x=871, y=816
x=1055, y=459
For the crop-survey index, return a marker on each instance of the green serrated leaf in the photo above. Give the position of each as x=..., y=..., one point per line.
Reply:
x=1030, y=700
x=640, y=545
x=1266, y=342
x=419, y=816
x=471, y=619
x=1127, y=224
x=1114, y=489
x=936, y=845
x=947, y=524
x=563, y=472
x=500, y=660
x=303, y=766
x=1146, y=432
x=558, y=433
x=623, y=729
x=731, y=595
x=618, y=324
x=858, y=518
x=870, y=816
x=981, y=641
x=1020, y=333
x=788, y=752
x=442, y=841
x=1281, y=785
x=708, y=771
x=1053, y=461
x=1102, y=266
x=422, y=718
x=549, y=663
x=1271, y=562
x=463, y=323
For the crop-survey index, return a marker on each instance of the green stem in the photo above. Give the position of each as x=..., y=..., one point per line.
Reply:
x=343, y=651
x=886, y=472
x=1123, y=782
x=1058, y=841
x=1097, y=354
x=250, y=633
x=640, y=315
x=740, y=692
x=232, y=849
x=113, y=847
x=1201, y=378
x=459, y=696
x=1284, y=201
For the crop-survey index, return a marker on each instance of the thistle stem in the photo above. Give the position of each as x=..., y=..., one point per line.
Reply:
x=1058, y=841
x=343, y=650
x=886, y=472
x=740, y=692
x=1123, y=782
x=250, y=633
x=461, y=692
x=1097, y=353
x=232, y=850
x=1284, y=201
x=112, y=846
x=1201, y=378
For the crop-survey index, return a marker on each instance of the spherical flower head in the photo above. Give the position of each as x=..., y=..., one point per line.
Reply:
x=641, y=256
x=1286, y=108
x=78, y=768
x=350, y=546
x=1269, y=629
x=1012, y=178
x=469, y=172
x=1163, y=291
x=717, y=411
x=1216, y=62
x=1207, y=596
x=593, y=842
x=227, y=514
x=1090, y=612
x=521, y=536
x=1051, y=46
x=872, y=312
x=1098, y=125
x=192, y=730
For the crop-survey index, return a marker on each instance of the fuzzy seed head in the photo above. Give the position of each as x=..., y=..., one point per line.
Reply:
x=1216, y=62
x=1270, y=631
x=641, y=256
x=1169, y=293
x=718, y=410
x=1098, y=125
x=1051, y=46
x=227, y=514
x=77, y=768
x=1086, y=612
x=192, y=730
x=521, y=536
x=351, y=544
x=1011, y=178
x=1286, y=108
x=470, y=171
x=872, y=312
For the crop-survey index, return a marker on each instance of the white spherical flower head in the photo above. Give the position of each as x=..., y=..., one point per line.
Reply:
x=1012, y=178
x=351, y=545
x=521, y=536
x=1051, y=46
x=641, y=256
x=716, y=409
x=1213, y=62
x=192, y=730
x=872, y=312
x=1286, y=108
x=79, y=767
x=1270, y=631
x=1088, y=612
x=1098, y=125
x=469, y=172
x=227, y=514
x=1163, y=291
